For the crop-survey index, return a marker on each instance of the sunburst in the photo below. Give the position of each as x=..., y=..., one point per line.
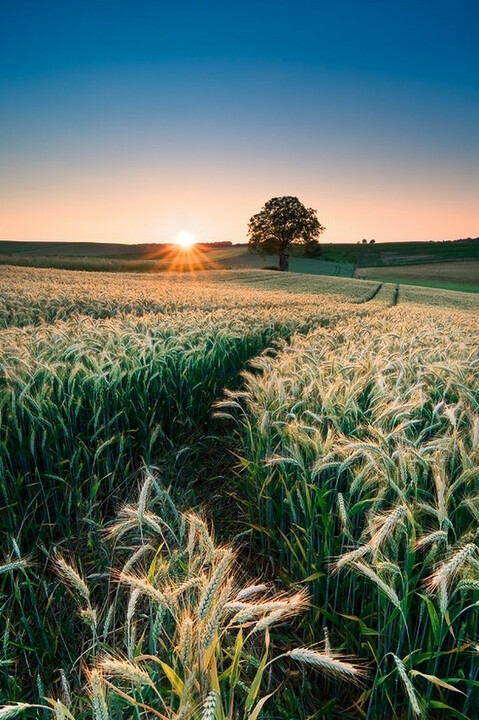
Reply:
x=185, y=239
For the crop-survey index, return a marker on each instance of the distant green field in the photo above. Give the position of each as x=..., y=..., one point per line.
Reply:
x=404, y=253
x=459, y=275
x=312, y=266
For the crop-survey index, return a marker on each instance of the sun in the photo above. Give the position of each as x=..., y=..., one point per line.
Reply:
x=185, y=239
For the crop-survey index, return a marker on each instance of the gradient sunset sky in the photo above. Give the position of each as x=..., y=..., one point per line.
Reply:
x=132, y=121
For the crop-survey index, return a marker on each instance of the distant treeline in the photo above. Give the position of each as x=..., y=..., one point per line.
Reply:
x=221, y=244
x=146, y=247
x=96, y=249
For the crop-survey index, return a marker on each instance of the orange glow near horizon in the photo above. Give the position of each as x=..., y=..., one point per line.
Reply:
x=117, y=210
x=185, y=239
x=177, y=257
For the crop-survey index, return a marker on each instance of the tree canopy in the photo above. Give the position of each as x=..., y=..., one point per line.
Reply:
x=282, y=222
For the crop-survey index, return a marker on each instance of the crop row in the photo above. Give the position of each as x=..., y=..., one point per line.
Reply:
x=83, y=403
x=360, y=476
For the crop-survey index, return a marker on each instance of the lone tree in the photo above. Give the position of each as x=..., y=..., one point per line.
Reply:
x=282, y=222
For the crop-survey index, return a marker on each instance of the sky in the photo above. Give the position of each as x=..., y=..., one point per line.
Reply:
x=132, y=121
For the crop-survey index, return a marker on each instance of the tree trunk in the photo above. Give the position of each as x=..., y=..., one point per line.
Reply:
x=284, y=262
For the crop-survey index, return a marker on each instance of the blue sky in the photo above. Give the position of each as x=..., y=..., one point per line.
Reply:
x=132, y=121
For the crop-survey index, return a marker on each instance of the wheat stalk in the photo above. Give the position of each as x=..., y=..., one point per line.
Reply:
x=332, y=665
x=447, y=571
x=126, y=670
x=249, y=591
x=142, y=584
x=411, y=693
x=10, y=711
x=13, y=565
x=386, y=589
x=97, y=693
x=71, y=575
x=211, y=589
x=210, y=705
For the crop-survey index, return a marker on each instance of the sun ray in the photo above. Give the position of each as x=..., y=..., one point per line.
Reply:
x=185, y=239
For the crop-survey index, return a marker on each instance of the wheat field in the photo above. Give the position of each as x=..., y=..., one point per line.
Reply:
x=361, y=457
x=345, y=580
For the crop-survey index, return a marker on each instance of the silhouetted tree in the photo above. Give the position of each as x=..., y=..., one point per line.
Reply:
x=372, y=241
x=282, y=222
